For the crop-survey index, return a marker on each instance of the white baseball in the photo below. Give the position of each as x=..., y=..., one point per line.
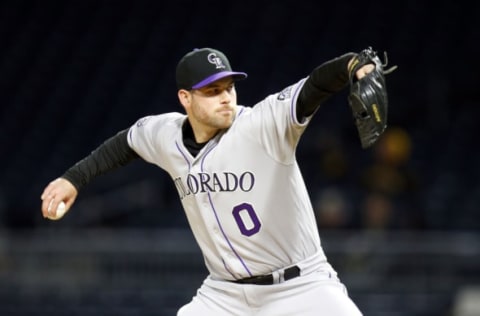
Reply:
x=61, y=210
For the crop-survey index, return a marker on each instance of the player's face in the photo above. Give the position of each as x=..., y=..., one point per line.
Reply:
x=214, y=106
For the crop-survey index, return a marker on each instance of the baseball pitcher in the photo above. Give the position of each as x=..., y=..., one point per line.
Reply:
x=237, y=177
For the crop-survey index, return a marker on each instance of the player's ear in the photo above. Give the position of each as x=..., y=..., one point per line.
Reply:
x=184, y=97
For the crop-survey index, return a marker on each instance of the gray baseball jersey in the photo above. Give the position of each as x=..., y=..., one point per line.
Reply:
x=243, y=194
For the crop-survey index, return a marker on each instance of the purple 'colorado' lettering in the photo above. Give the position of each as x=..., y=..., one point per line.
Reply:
x=230, y=176
x=203, y=182
x=243, y=181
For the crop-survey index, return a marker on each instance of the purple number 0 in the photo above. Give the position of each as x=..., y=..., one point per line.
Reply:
x=245, y=207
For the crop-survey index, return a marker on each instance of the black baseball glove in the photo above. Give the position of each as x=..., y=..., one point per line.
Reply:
x=368, y=97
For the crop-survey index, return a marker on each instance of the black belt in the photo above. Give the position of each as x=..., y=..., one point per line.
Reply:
x=267, y=279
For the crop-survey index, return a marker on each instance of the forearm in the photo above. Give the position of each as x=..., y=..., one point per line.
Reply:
x=113, y=153
x=324, y=81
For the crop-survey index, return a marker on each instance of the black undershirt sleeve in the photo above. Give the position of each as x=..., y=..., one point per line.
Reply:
x=325, y=80
x=112, y=154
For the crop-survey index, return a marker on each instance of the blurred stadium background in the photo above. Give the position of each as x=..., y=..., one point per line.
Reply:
x=400, y=222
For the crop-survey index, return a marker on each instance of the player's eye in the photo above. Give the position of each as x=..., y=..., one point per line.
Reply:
x=215, y=91
x=212, y=91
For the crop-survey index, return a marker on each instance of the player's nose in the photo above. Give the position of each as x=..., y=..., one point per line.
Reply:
x=225, y=96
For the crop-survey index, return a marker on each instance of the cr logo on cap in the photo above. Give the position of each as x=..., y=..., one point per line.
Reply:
x=217, y=61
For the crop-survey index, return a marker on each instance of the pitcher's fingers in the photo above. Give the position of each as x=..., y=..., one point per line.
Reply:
x=49, y=188
x=45, y=192
x=47, y=205
x=48, y=191
x=362, y=72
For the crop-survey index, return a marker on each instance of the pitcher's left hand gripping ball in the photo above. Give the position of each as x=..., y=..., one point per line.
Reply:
x=368, y=97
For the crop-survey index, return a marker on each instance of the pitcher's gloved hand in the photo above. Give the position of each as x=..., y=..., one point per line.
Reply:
x=368, y=97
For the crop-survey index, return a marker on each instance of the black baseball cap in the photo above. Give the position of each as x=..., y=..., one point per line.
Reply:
x=203, y=66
